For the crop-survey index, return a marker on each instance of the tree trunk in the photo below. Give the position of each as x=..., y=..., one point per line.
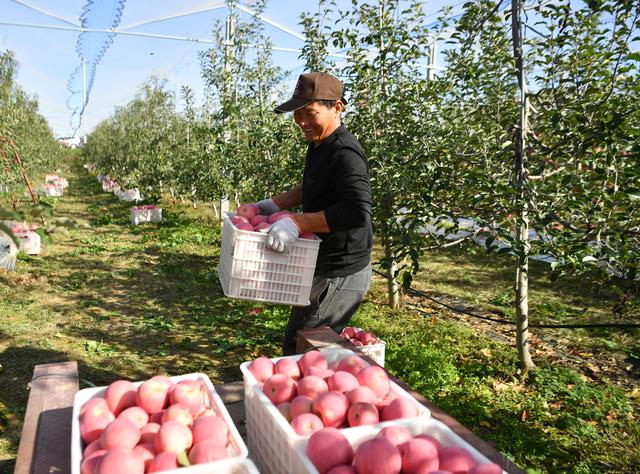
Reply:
x=522, y=293
x=522, y=177
x=392, y=284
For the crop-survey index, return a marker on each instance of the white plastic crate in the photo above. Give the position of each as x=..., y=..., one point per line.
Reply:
x=213, y=401
x=251, y=271
x=224, y=466
x=56, y=180
x=142, y=214
x=128, y=195
x=271, y=439
x=375, y=351
x=29, y=242
x=50, y=190
x=417, y=426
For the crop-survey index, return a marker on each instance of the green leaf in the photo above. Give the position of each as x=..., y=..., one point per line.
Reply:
x=183, y=459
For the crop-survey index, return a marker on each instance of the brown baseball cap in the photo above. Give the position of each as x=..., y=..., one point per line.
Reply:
x=313, y=86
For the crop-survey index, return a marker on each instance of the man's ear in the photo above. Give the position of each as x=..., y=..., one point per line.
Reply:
x=339, y=106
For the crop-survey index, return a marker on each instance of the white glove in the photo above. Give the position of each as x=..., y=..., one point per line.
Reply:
x=282, y=234
x=267, y=207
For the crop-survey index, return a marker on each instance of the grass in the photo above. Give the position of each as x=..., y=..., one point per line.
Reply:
x=131, y=302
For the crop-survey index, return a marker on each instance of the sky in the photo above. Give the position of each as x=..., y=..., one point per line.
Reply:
x=47, y=57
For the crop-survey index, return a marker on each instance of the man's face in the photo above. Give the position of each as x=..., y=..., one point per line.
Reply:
x=317, y=121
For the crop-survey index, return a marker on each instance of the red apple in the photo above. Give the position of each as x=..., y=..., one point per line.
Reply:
x=207, y=451
x=419, y=456
x=396, y=434
x=306, y=424
x=328, y=448
x=312, y=386
x=120, y=395
x=248, y=210
x=120, y=433
x=163, y=462
x=367, y=338
x=245, y=226
x=135, y=415
x=173, y=437
x=362, y=413
x=375, y=378
x=94, y=421
x=190, y=393
x=153, y=394
x=301, y=404
x=379, y=456
x=399, y=408
x=361, y=394
x=97, y=402
x=120, y=461
x=258, y=219
x=279, y=388
x=178, y=412
x=349, y=333
x=92, y=448
x=430, y=439
x=312, y=359
x=287, y=367
x=261, y=368
x=342, y=381
x=89, y=463
x=455, y=459
x=352, y=364
x=261, y=225
x=212, y=428
x=235, y=220
x=332, y=408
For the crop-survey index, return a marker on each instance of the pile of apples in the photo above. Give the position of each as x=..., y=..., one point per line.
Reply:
x=157, y=426
x=359, y=337
x=394, y=450
x=312, y=394
x=248, y=217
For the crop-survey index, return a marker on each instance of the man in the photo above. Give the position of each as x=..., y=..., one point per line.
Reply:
x=335, y=195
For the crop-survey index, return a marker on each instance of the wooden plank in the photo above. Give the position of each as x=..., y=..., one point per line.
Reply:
x=326, y=338
x=45, y=443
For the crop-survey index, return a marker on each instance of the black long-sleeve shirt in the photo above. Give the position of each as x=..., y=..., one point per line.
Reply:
x=336, y=181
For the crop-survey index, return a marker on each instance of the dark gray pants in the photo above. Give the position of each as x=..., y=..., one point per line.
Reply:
x=333, y=302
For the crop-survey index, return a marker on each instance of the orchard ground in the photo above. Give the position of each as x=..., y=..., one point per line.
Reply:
x=131, y=302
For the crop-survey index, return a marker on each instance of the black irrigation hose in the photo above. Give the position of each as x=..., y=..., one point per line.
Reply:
x=415, y=292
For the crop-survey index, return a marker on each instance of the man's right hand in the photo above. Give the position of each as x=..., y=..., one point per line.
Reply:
x=267, y=207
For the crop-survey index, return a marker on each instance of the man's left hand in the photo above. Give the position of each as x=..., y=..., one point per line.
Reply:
x=282, y=234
